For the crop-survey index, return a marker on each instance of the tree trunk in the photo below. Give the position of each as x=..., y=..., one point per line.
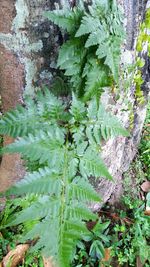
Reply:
x=28, y=51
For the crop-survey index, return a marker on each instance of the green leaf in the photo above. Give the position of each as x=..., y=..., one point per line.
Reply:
x=40, y=231
x=80, y=212
x=77, y=110
x=87, y=25
x=92, y=165
x=83, y=190
x=45, y=146
x=97, y=78
x=65, y=18
x=96, y=36
x=43, y=181
x=97, y=249
x=49, y=107
x=73, y=167
x=19, y=122
x=65, y=138
x=110, y=126
x=38, y=209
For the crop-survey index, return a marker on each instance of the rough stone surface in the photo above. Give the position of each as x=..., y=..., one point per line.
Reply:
x=11, y=87
x=11, y=79
x=7, y=12
x=29, y=44
x=11, y=168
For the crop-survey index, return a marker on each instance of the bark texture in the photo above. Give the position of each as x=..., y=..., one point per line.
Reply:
x=28, y=51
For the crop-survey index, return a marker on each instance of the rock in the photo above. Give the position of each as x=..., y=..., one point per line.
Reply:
x=146, y=186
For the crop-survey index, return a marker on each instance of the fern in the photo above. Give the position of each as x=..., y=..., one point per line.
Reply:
x=110, y=126
x=65, y=140
x=92, y=165
x=28, y=119
x=69, y=152
x=43, y=181
x=44, y=146
x=66, y=19
x=14, y=123
x=97, y=78
x=97, y=37
x=81, y=189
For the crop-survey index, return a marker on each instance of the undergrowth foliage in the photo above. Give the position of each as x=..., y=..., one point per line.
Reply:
x=65, y=140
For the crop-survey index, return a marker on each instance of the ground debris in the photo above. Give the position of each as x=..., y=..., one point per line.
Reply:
x=15, y=256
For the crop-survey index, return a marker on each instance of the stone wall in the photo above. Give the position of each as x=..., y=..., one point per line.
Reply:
x=28, y=51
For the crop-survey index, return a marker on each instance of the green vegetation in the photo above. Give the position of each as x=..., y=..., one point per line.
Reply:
x=143, y=39
x=144, y=148
x=91, y=56
x=61, y=144
x=68, y=147
x=92, y=249
x=128, y=230
x=132, y=241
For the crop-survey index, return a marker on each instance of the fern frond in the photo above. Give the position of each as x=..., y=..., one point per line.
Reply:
x=67, y=250
x=110, y=49
x=66, y=139
x=90, y=135
x=97, y=36
x=44, y=146
x=100, y=7
x=78, y=134
x=102, y=124
x=83, y=190
x=48, y=106
x=81, y=212
x=43, y=181
x=77, y=109
x=76, y=225
x=92, y=110
x=41, y=230
x=74, y=230
x=66, y=19
x=109, y=125
x=25, y=120
x=88, y=25
x=19, y=122
x=39, y=209
x=66, y=52
x=73, y=167
x=99, y=32
x=81, y=147
x=97, y=78
x=62, y=18
x=70, y=57
x=92, y=165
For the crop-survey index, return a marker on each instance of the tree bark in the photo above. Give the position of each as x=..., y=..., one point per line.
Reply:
x=28, y=51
